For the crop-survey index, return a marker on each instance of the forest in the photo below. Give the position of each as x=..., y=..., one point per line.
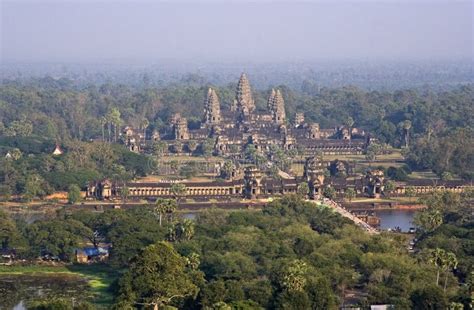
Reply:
x=289, y=255
x=433, y=127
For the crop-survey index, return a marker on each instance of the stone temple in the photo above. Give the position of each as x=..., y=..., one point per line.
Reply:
x=231, y=130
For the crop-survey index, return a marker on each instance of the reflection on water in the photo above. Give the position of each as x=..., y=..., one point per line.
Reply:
x=394, y=218
x=18, y=290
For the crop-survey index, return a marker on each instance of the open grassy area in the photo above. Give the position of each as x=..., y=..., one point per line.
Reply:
x=99, y=277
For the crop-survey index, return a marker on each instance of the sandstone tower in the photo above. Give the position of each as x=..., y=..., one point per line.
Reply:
x=279, y=115
x=244, y=102
x=213, y=109
x=181, y=131
x=271, y=99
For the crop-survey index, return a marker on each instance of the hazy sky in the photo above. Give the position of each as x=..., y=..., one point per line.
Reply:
x=147, y=31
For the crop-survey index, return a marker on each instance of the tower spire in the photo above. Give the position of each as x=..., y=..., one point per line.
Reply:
x=244, y=100
x=270, y=102
x=212, y=108
x=279, y=115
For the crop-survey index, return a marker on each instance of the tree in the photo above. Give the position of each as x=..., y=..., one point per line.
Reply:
x=207, y=147
x=372, y=151
x=74, y=194
x=35, y=186
x=303, y=189
x=389, y=187
x=157, y=276
x=406, y=128
x=159, y=148
x=9, y=234
x=349, y=194
x=124, y=193
x=192, y=146
x=103, y=122
x=329, y=192
x=429, y=219
x=293, y=278
x=145, y=123
x=185, y=229
x=114, y=118
x=428, y=298
x=57, y=237
x=164, y=206
x=437, y=258
x=450, y=263
x=177, y=190
x=227, y=169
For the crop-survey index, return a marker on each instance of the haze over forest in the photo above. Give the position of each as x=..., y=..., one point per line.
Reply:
x=330, y=42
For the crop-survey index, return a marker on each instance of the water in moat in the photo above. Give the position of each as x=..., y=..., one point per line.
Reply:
x=396, y=218
x=388, y=218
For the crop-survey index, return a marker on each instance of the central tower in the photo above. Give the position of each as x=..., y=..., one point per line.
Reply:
x=244, y=102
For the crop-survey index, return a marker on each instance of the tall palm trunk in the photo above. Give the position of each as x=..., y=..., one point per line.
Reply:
x=109, y=128
x=445, y=281
x=437, y=277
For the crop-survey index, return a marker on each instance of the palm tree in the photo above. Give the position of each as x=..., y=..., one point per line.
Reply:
x=406, y=127
x=145, y=124
x=451, y=262
x=435, y=219
x=186, y=229
x=103, y=122
x=163, y=206
x=114, y=118
x=437, y=258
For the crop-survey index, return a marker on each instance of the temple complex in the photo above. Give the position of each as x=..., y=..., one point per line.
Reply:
x=228, y=133
x=233, y=129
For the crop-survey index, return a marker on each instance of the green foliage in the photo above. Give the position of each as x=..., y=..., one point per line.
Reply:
x=350, y=194
x=157, y=275
x=329, y=192
x=430, y=297
x=10, y=236
x=74, y=194
x=56, y=237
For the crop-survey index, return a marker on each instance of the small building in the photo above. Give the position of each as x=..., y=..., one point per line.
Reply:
x=91, y=254
x=57, y=151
